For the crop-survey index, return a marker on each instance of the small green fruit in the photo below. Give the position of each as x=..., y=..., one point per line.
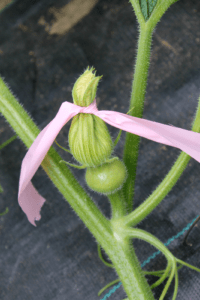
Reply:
x=107, y=178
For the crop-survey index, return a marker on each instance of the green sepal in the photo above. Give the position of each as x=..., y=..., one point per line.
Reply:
x=62, y=147
x=72, y=165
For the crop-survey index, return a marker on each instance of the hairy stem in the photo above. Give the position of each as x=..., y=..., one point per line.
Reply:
x=131, y=147
x=117, y=205
x=127, y=265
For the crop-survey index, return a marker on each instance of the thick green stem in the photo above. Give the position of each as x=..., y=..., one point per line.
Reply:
x=118, y=208
x=166, y=185
x=131, y=147
x=130, y=273
x=127, y=265
x=137, y=101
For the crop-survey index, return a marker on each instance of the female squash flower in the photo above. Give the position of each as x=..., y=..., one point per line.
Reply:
x=84, y=92
x=89, y=139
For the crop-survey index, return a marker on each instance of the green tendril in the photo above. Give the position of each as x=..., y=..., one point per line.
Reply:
x=168, y=282
x=8, y=142
x=101, y=257
x=176, y=285
x=107, y=286
x=62, y=147
x=163, y=277
x=117, y=138
x=154, y=273
x=72, y=165
x=187, y=265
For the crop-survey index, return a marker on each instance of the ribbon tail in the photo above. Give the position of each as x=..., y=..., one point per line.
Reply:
x=28, y=198
x=31, y=203
x=185, y=140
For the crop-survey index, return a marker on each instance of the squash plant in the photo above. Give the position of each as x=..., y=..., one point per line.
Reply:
x=91, y=145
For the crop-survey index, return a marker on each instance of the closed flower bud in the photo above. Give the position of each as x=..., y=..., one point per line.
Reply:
x=89, y=138
x=85, y=88
x=107, y=178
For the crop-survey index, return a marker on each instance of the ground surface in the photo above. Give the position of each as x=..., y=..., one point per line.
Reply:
x=44, y=46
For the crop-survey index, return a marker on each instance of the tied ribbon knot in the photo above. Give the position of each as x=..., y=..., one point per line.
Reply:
x=31, y=201
x=91, y=109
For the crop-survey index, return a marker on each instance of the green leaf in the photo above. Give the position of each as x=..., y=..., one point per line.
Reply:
x=147, y=7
